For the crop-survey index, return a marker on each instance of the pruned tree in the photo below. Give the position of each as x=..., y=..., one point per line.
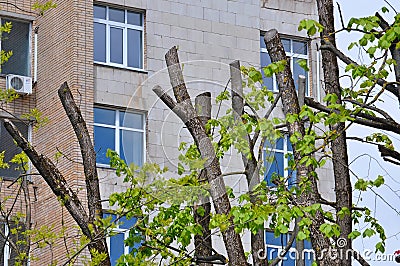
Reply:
x=60, y=187
x=343, y=187
x=186, y=112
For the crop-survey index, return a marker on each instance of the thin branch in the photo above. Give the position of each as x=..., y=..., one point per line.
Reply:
x=387, y=85
x=387, y=2
x=17, y=7
x=267, y=114
x=234, y=173
x=340, y=14
x=366, y=120
x=359, y=258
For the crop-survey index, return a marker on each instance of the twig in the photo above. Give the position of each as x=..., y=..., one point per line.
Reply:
x=340, y=14
x=387, y=2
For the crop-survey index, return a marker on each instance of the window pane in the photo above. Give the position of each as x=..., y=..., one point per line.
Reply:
x=127, y=224
x=298, y=70
x=117, y=247
x=262, y=43
x=11, y=149
x=99, y=42
x=299, y=47
x=276, y=241
x=288, y=143
x=276, y=166
x=292, y=173
x=104, y=138
x=99, y=12
x=289, y=259
x=307, y=244
x=279, y=144
x=286, y=44
x=265, y=61
x=117, y=15
x=16, y=41
x=131, y=147
x=131, y=120
x=134, y=18
x=104, y=116
x=135, y=48
x=116, y=45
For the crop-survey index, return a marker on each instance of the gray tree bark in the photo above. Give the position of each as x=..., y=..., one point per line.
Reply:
x=57, y=181
x=203, y=243
x=291, y=106
x=252, y=170
x=186, y=112
x=343, y=188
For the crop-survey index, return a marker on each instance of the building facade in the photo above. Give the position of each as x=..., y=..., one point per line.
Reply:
x=111, y=53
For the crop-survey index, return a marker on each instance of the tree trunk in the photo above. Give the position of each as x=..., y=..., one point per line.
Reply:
x=203, y=243
x=343, y=188
x=89, y=165
x=185, y=110
x=291, y=106
x=252, y=171
x=57, y=181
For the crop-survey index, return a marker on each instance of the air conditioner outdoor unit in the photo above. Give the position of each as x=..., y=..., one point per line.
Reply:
x=21, y=84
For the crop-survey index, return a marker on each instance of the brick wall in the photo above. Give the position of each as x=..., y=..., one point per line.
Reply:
x=64, y=54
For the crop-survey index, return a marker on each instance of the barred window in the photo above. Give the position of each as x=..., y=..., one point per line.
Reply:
x=17, y=41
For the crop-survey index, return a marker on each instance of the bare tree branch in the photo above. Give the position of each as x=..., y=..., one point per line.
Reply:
x=188, y=115
x=367, y=120
x=53, y=178
x=89, y=166
x=381, y=82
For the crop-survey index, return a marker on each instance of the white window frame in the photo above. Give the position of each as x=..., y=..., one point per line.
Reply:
x=292, y=55
x=124, y=26
x=118, y=230
x=285, y=153
x=117, y=128
x=29, y=59
x=7, y=249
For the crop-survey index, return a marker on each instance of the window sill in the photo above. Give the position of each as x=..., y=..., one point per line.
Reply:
x=104, y=166
x=121, y=67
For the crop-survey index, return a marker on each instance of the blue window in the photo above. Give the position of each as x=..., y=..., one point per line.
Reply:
x=116, y=243
x=276, y=244
x=295, y=50
x=118, y=37
x=276, y=161
x=120, y=131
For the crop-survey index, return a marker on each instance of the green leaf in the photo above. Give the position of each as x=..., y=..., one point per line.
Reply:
x=379, y=181
x=354, y=235
x=283, y=229
x=200, y=211
x=301, y=236
x=380, y=246
x=181, y=169
x=361, y=184
x=369, y=232
x=303, y=64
